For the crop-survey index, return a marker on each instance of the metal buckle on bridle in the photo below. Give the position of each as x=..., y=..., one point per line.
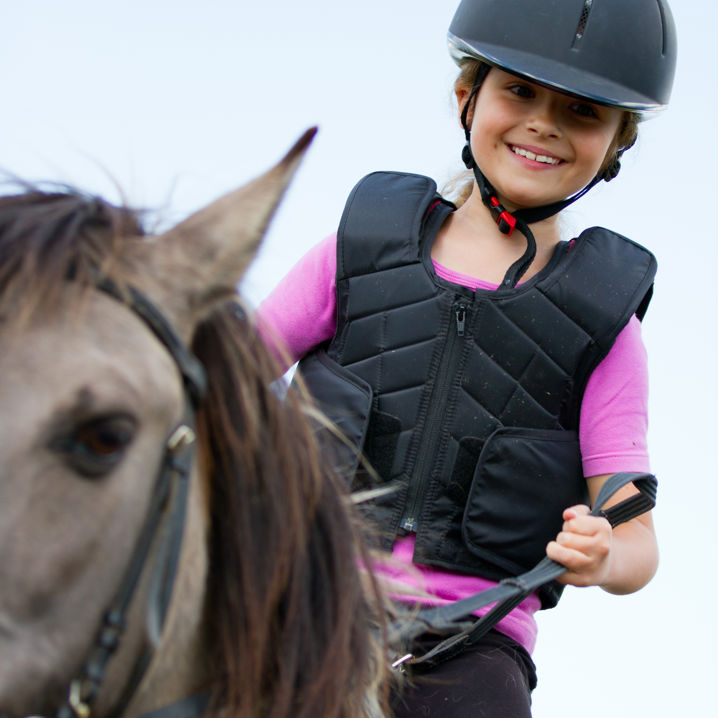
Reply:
x=80, y=708
x=399, y=663
x=181, y=437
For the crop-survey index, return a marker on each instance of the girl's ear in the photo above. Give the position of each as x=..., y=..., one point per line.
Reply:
x=462, y=97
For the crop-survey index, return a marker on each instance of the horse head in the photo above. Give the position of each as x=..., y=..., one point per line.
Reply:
x=119, y=593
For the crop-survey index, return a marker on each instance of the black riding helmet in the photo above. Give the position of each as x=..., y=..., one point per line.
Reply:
x=620, y=53
x=614, y=52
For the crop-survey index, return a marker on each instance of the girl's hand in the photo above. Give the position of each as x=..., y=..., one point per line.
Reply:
x=584, y=547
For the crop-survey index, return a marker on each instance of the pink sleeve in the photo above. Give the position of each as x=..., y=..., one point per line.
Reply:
x=614, y=412
x=300, y=313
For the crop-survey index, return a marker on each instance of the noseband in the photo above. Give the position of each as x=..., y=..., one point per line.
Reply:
x=165, y=518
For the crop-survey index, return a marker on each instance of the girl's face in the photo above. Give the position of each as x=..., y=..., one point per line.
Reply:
x=537, y=146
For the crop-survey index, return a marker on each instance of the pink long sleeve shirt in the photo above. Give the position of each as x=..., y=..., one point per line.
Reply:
x=300, y=314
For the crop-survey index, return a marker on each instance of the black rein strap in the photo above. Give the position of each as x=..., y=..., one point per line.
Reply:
x=451, y=619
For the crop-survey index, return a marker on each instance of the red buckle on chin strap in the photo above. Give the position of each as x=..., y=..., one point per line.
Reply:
x=504, y=219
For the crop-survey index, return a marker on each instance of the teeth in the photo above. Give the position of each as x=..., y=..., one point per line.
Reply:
x=536, y=158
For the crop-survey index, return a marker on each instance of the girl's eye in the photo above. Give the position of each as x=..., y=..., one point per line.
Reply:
x=584, y=110
x=522, y=91
x=95, y=447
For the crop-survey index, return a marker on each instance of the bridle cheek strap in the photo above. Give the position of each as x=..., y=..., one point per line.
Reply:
x=165, y=519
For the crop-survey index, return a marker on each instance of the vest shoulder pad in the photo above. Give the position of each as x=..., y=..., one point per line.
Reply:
x=606, y=279
x=382, y=222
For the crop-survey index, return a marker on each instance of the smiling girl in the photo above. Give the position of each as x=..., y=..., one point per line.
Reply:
x=538, y=147
x=492, y=375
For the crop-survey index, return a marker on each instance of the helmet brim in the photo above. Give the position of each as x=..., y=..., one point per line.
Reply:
x=556, y=75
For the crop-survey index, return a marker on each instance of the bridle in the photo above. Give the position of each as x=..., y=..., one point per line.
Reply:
x=163, y=524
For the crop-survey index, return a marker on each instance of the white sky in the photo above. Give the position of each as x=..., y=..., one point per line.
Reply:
x=178, y=102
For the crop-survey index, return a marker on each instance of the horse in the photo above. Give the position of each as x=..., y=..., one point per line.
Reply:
x=171, y=542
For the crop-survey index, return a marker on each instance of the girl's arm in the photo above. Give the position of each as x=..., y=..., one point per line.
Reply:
x=300, y=313
x=620, y=560
x=613, y=438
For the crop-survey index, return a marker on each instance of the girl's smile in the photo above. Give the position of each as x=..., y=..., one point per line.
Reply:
x=535, y=145
x=535, y=156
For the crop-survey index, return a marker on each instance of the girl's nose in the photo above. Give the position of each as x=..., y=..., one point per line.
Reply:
x=545, y=120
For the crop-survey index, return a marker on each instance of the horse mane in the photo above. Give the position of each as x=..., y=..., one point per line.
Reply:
x=288, y=611
x=291, y=614
x=50, y=235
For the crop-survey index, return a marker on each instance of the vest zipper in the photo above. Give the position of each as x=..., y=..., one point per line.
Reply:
x=434, y=420
x=460, y=319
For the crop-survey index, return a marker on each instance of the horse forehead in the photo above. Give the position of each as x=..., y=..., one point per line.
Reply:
x=99, y=339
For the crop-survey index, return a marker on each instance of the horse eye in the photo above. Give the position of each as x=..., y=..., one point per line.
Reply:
x=96, y=446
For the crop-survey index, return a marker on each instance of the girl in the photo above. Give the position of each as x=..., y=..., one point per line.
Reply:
x=492, y=375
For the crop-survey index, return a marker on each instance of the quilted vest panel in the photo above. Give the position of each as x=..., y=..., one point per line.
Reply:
x=473, y=397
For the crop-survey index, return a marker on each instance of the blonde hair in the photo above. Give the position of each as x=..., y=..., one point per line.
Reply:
x=459, y=188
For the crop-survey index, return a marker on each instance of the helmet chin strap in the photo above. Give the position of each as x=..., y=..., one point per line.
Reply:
x=505, y=220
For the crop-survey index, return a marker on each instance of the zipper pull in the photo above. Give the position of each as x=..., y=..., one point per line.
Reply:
x=409, y=524
x=460, y=319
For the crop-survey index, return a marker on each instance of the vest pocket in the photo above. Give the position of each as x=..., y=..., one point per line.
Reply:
x=523, y=481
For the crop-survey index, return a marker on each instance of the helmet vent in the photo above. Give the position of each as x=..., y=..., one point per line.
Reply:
x=582, y=22
x=662, y=10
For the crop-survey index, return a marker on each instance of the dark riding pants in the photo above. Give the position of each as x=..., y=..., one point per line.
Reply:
x=492, y=679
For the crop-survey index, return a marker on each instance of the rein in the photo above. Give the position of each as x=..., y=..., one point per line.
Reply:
x=165, y=518
x=452, y=621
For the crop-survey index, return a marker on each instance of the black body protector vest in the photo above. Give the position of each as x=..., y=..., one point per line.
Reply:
x=466, y=403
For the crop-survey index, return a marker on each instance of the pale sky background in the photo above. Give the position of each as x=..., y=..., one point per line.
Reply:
x=178, y=102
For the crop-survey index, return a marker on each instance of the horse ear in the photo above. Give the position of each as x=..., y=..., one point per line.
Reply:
x=200, y=261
